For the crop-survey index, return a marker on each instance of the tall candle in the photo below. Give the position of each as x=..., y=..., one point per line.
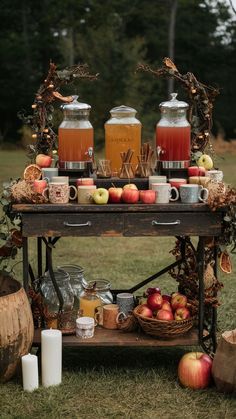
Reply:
x=30, y=372
x=51, y=341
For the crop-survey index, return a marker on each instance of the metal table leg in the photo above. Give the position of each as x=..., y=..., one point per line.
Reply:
x=25, y=264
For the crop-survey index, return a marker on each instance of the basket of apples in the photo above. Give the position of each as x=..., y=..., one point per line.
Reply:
x=164, y=315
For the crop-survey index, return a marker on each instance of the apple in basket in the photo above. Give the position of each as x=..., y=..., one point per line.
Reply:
x=194, y=370
x=152, y=290
x=166, y=306
x=166, y=297
x=154, y=301
x=144, y=310
x=182, y=313
x=178, y=301
x=165, y=315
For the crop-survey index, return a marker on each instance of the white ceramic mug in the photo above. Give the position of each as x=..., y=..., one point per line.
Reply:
x=215, y=175
x=60, y=179
x=156, y=179
x=164, y=193
x=49, y=172
x=59, y=193
x=192, y=193
x=85, y=194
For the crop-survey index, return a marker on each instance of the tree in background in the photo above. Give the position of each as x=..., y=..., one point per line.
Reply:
x=112, y=37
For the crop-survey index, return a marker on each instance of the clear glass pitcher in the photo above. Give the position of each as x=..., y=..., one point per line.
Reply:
x=75, y=136
x=173, y=134
x=122, y=132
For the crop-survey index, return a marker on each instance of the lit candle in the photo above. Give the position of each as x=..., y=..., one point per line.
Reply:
x=51, y=341
x=30, y=372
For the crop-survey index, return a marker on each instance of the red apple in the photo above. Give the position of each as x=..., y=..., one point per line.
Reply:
x=115, y=194
x=194, y=370
x=193, y=171
x=154, y=301
x=182, y=313
x=130, y=186
x=178, y=301
x=144, y=310
x=166, y=306
x=165, y=315
x=166, y=297
x=152, y=290
x=42, y=160
x=202, y=171
x=130, y=196
x=147, y=196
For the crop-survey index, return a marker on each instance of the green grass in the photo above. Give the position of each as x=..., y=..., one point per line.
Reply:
x=120, y=382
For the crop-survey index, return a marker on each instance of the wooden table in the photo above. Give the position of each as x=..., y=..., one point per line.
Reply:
x=48, y=222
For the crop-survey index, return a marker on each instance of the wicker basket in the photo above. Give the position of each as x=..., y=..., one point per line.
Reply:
x=162, y=328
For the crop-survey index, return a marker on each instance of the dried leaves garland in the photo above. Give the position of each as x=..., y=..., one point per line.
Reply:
x=201, y=99
x=41, y=122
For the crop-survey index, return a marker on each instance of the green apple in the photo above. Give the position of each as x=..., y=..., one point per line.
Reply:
x=101, y=196
x=205, y=161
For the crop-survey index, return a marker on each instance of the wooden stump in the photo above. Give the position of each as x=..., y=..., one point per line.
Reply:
x=16, y=326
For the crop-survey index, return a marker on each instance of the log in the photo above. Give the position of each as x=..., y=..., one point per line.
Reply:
x=16, y=326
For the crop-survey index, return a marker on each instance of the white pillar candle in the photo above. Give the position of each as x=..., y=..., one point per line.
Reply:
x=51, y=341
x=30, y=372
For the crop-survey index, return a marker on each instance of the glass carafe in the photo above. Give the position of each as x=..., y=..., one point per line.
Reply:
x=75, y=136
x=122, y=132
x=173, y=134
x=66, y=320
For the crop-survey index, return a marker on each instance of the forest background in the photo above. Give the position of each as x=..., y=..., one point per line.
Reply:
x=112, y=37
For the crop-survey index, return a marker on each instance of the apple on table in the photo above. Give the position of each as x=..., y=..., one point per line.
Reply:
x=205, y=161
x=43, y=160
x=101, y=196
x=115, y=194
x=130, y=194
x=147, y=196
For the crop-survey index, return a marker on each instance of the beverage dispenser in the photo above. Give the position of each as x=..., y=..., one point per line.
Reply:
x=173, y=134
x=122, y=132
x=75, y=137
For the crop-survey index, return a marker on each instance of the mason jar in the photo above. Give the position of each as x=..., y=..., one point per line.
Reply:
x=76, y=273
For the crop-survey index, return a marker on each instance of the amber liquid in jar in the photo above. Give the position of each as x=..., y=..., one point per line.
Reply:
x=73, y=144
x=174, y=142
x=119, y=138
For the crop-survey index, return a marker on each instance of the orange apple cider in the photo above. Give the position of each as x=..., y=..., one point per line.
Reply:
x=88, y=306
x=73, y=144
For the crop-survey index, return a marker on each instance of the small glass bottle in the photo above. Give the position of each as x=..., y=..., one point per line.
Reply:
x=122, y=132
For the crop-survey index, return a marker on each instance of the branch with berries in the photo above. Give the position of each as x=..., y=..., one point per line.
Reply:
x=41, y=121
x=201, y=98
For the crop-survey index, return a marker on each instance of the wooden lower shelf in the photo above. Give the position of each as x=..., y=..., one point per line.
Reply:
x=105, y=337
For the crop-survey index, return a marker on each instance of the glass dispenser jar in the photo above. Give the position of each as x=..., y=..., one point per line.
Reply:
x=173, y=134
x=95, y=294
x=122, y=132
x=75, y=136
x=76, y=273
x=66, y=320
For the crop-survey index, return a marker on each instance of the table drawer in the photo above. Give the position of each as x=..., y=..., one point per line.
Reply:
x=172, y=224
x=72, y=224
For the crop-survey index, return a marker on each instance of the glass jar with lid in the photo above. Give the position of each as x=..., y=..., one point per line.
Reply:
x=75, y=136
x=76, y=273
x=95, y=294
x=122, y=132
x=173, y=134
x=65, y=321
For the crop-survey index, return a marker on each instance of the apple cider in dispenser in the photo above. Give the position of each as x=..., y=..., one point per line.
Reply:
x=75, y=136
x=173, y=134
x=122, y=132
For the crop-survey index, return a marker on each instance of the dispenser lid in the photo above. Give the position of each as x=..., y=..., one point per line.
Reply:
x=174, y=103
x=123, y=110
x=75, y=105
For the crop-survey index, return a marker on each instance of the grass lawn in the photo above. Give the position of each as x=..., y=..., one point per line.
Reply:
x=120, y=383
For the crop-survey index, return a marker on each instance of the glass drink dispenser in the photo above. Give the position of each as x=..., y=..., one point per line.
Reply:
x=122, y=132
x=75, y=136
x=173, y=134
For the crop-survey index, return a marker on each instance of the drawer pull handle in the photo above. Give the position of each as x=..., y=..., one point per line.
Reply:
x=88, y=224
x=171, y=223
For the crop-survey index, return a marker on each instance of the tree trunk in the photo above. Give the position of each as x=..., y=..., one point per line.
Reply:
x=171, y=39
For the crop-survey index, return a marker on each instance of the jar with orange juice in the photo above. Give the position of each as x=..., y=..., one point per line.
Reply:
x=93, y=295
x=122, y=132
